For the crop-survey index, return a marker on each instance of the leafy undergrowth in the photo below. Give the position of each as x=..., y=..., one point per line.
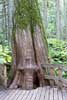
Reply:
x=6, y=58
x=5, y=55
x=58, y=52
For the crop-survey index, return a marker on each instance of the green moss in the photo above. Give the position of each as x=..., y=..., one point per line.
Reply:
x=26, y=13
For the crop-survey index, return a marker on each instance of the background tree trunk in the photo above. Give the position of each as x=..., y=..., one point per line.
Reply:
x=59, y=19
x=65, y=20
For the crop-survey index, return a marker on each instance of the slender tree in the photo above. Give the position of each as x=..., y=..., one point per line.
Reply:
x=65, y=21
x=30, y=53
x=59, y=21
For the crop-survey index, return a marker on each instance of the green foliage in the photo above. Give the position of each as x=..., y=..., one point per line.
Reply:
x=58, y=51
x=6, y=55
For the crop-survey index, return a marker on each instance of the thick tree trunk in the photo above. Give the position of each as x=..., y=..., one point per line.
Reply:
x=29, y=59
x=30, y=51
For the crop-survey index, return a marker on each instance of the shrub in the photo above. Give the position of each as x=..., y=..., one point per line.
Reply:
x=57, y=51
